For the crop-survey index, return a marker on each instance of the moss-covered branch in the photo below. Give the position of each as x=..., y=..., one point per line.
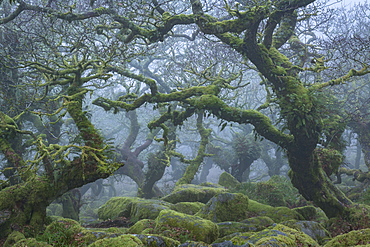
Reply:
x=357, y=174
x=13, y=15
x=69, y=16
x=341, y=80
x=156, y=34
x=261, y=122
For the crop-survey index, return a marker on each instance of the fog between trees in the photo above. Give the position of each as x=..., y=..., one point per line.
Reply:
x=100, y=89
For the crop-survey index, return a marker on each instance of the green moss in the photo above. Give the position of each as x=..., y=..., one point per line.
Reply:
x=187, y=207
x=241, y=239
x=329, y=159
x=357, y=218
x=13, y=238
x=31, y=242
x=142, y=225
x=151, y=240
x=353, y=238
x=312, y=228
x=196, y=244
x=312, y=213
x=62, y=232
x=279, y=58
x=278, y=214
x=54, y=209
x=123, y=240
x=147, y=209
x=251, y=225
x=225, y=207
x=192, y=193
x=260, y=222
x=89, y=236
x=196, y=228
x=227, y=180
x=277, y=191
x=280, y=235
x=131, y=207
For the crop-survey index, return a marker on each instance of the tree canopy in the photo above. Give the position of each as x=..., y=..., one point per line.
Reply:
x=66, y=65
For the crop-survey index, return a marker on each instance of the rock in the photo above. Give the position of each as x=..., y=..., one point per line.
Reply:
x=187, y=207
x=278, y=235
x=225, y=207
x=90, y=236
x=277, y=214
x=312, y=213
x=250, y=225
x=147, y=209
x=227, y=180
x=185, y=227
x=312, y=228
x=13, y=238
x=157, y=241
x=62, y=231
x=141, y=225
x=131, y=207
x=194, y=244
x=260, y=222
x=227, y=228
x=126, y=240
x=192, y=193
x=31, y=242
x=228, y=243
x=353, y=238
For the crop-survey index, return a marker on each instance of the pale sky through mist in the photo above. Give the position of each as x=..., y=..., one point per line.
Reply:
x=345, y=3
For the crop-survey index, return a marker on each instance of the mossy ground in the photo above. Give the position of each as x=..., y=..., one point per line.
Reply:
x=225, y=207
x=277, y=214
x=194, y=227
x=161, y=223
x=192, y=193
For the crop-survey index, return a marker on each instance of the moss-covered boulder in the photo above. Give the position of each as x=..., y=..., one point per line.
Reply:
x=353, y=238
x=157, y=241
x=312, y=213
x=132, y=207
x=277, y=191
x=277, y=214
x=123, y=240
x=89, y=236
x=228, y=181
x=62, y=231
x=13, y=238
x=194, y=244
x=187, y=207
x=116, y=207
x=192, y=193
x=312, y=228
x=260, y=222
x=225, y=207
x=31, y=242
x=277, y=235
x=254, y=224
x=185, y=227
x=141, y=225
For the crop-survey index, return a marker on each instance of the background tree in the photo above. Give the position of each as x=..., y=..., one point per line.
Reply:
x=82, y=48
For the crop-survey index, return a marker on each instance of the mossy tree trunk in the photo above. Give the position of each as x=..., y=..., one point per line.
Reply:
x=23, y=206
x=296, y=101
